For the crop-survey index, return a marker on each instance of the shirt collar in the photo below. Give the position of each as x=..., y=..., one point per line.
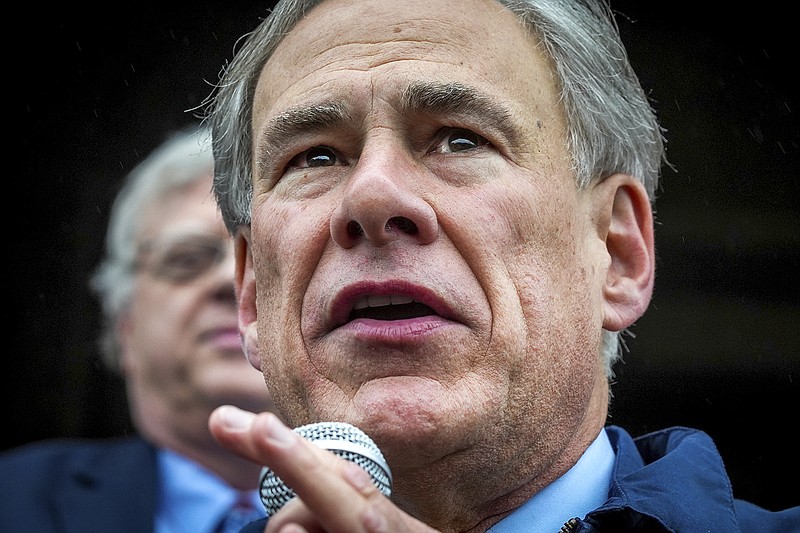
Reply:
x=583, y=488
x=192, y=498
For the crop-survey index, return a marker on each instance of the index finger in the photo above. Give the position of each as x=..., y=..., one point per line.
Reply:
x=335, y=490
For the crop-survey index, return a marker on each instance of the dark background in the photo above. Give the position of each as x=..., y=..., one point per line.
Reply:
x=92, y=92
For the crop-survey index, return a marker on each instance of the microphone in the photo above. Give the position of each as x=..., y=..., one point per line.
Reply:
x=340, y=438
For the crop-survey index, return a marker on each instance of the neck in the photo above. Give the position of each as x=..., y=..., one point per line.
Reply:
x=447, y=496
x=236, y=471
x=187, y=433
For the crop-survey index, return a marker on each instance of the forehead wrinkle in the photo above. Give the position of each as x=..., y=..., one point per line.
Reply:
x=442, y=99
x=301, y=120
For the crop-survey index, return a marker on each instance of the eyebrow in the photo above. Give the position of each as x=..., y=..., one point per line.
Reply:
x=434, y=99
x=180, y=237
x=298, y=121
x=457, y=99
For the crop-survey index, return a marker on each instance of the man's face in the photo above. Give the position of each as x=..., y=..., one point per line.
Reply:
x=425, y=267
x=182, y=354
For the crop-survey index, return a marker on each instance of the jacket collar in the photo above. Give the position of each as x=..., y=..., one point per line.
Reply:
x=673, y=478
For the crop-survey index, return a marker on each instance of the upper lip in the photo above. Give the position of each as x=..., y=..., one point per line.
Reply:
x=373, y=293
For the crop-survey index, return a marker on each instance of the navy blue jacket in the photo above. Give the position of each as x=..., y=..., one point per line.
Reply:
x=671, y=480
x=674, y=480
x=79, y=486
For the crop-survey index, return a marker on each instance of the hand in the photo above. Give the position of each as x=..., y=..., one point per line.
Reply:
x=334, y=495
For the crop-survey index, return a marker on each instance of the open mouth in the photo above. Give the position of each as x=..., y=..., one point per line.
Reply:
x=389, y=307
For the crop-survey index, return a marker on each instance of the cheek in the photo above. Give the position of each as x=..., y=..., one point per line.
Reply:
x=286, y=235
x=159, y=340
x=562, y=331
x=554, y=278
x=156, y=317
x=287, y=241
x=542, y=283
x=272, y=254
x=563, y=316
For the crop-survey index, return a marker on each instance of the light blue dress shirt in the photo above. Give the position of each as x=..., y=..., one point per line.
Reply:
x=192, y=499
x=583, y=488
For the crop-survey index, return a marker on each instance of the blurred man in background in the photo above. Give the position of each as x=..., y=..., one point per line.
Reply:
x=167, y=294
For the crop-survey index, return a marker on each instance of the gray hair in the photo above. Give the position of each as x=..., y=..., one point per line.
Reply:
x=182, y=159
x=611, y=125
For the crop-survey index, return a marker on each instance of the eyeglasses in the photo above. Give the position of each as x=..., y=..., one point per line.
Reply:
x=181, y=259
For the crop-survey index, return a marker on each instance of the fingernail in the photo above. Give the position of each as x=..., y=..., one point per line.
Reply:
x=236, y=419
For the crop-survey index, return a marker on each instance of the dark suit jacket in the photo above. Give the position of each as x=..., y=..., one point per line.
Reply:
x=79, y=486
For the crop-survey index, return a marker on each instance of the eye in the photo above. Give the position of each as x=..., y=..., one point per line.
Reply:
x=460, y=139
x=179, y=261
x=319, y=156
x=187, y=261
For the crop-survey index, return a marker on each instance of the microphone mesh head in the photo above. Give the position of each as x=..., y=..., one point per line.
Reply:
x=342, y=439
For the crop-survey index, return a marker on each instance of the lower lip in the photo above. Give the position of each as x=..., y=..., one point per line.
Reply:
x=394, y=331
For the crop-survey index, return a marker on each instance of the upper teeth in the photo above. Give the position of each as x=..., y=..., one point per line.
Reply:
x=380, y=301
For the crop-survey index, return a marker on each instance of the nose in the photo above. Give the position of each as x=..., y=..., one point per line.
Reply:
x=380, y=206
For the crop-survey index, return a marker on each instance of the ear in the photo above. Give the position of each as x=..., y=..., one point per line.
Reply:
x=245, y=286
x=625, y=219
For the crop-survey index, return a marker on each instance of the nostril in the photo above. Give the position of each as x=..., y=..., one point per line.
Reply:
x=354, y=229
x=403, y=224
